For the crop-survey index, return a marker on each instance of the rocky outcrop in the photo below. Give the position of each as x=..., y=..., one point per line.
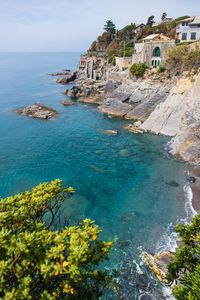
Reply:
x=179, y=117
x=38, y=110
x=135, y=99
x=66, y=77
x=86, y=89
x=159, y=264
x=115, y=107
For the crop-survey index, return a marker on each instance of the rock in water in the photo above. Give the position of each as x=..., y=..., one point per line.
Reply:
x=132, y=128
x=37, y=110
x=173, y=183
x=65, y=79
x=159, y=264
x=111, y=132
x=67, y=102
x=124, y=153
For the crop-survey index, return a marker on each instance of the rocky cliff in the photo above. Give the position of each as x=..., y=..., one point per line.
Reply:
x=179, y=117
x=167, y=104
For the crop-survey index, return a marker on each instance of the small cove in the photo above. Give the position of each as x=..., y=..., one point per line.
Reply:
x=121, y=181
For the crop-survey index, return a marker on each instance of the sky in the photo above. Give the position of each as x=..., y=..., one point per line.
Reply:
x=71, y=25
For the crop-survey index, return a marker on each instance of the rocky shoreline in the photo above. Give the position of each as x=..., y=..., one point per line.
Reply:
x=157, y=103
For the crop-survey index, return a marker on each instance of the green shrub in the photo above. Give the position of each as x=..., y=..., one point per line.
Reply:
x=138, y=69
x=184, y=270
x=161, y=69
x=37, y=261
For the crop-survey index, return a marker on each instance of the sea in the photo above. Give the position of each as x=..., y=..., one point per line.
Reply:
x=125, y=183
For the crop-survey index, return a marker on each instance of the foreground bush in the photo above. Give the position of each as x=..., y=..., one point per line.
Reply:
x=37, y=262
x=184, y=271
x=138, y=69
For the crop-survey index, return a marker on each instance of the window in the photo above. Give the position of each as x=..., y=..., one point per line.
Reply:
x=184, y=36
x=193, y=35
x=156, y=52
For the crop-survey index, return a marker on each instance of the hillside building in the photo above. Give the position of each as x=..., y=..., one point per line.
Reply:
x=153, y=50
x=188, y=30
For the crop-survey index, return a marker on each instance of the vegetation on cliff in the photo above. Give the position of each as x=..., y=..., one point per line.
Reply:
x=184, y=270
x=138, y=69
x=39, y=262
x=183, y=58
x=121, y=42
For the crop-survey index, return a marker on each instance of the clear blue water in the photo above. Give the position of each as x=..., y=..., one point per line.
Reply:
x=127, y=195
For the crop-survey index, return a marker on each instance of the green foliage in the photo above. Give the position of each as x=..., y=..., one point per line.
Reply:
x=164, y=15
x=125, y=51
x=138, y=69
x=37, y=262
x=184, y=270
x=111, y=55
x=110, y=27
x=150, y=21
x=161, y=69
x=182, y=58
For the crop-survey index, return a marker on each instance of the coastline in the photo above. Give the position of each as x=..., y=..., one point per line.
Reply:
x=195, y=188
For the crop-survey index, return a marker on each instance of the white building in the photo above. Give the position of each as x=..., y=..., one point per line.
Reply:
x=188, y=30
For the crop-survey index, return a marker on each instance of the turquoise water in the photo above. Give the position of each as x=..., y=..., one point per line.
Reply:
x=120, y=181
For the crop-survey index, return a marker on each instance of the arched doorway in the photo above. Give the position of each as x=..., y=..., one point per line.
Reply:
x=156, y=52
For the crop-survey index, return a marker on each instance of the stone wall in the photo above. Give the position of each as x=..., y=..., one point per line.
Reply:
x=123, y=62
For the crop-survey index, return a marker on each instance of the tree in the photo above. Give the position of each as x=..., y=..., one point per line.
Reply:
x=164, y=15
x=39, y=262
x=150, y=21
x=110, y=27
x=184, y=270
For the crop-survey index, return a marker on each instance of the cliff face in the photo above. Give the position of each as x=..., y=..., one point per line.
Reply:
x=179, y=116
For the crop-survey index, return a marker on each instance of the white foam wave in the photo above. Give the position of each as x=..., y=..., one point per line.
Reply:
x=169, y=241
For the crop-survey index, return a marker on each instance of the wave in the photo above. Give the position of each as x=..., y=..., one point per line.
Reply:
x=169, y=240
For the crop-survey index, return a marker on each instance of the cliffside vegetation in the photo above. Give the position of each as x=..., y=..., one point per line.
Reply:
x=184, y=270
x=183, y=58
x=44, y=260
x=138, y=69
x=121, y=42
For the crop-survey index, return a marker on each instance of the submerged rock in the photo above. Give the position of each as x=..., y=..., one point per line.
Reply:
x=121, y=244
x=111, y=132
x=173, y=183
x=38, y=110
x=124, y=153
